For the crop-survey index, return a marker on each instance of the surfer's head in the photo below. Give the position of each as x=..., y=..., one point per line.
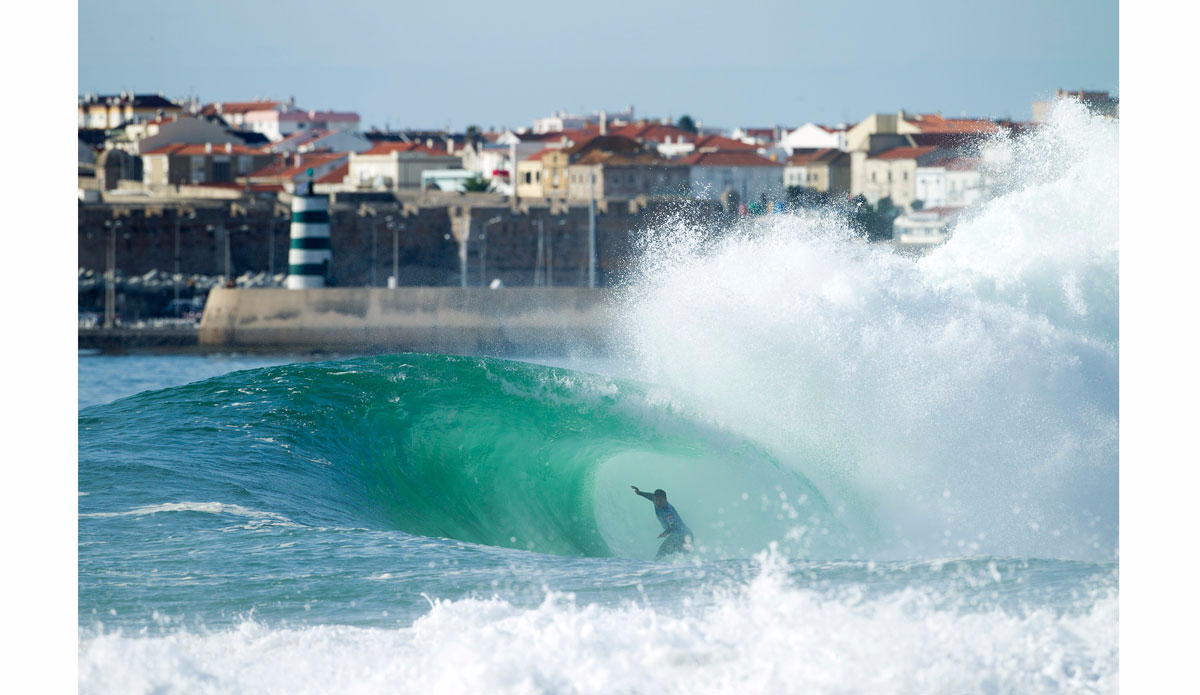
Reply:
x=660, y=498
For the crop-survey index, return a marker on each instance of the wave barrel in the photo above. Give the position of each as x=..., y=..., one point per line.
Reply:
x=310, y=253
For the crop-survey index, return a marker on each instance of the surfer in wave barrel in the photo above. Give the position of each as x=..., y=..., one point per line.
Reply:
x=678, y=535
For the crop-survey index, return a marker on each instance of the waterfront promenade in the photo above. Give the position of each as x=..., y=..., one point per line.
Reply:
x=452, y=320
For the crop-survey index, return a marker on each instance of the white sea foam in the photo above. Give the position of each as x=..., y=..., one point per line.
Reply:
x=930, y=397
x=205, y=507
x=768, y=636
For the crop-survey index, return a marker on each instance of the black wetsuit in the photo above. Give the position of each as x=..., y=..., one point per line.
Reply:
x=680, y=537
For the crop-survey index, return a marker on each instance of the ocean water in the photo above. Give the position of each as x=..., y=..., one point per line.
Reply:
x=901, y=474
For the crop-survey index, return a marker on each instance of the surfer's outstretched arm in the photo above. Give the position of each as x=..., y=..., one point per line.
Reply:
x=647, y=495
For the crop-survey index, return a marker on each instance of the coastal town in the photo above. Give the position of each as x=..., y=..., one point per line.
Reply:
x=177, y=196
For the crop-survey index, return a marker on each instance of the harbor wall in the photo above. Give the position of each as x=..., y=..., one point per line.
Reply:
x=478, y=321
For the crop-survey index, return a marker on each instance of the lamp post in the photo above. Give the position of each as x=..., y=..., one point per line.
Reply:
x=483, y=251
x=592, y=229
x=539, y=276
x=110, y=274
x=175, y=278
x=271, y=247
x=244, y=229
x=395, y=249
x=374, y=250
x=550, y=256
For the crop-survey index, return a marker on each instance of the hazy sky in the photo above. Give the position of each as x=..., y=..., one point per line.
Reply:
x=418, y=64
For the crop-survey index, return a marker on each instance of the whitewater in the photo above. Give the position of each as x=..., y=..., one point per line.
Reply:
x=901, y=473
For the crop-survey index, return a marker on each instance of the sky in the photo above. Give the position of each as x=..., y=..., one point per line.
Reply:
x=759, y=63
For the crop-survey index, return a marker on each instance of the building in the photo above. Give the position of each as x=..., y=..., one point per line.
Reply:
x=893, y=173
x=951, y=182
x=704, y=143
x=288, y=171
x=813, y=136
x=748, y=175
x=759, y=137
x=234, y=112
x=317, y=140
x=144, y=137
x=603, y=174
x=446, y=179
x=561, y=120
x=115, y=110
x=529, y=175
x=1101, y=103
x=555, y=180
x=396, y=165
x=919, y=230
x=885, y=131
x=183, y=163
x=825, y=170
x=278, y=124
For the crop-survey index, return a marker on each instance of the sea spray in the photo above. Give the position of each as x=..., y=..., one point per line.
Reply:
x=963, y=402
x=773, y=632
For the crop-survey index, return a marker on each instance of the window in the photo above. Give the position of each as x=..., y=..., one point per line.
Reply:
x=906, y=176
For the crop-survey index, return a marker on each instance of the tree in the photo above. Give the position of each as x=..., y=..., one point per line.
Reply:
x=473, y=130
x=801, y=196
x=477, y=184
x=873, y=221
x=685, y=122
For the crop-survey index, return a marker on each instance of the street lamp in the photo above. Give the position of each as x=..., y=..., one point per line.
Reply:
x=539, y=275
x=244, y=229
x=374, y=249
x=483, y=251
x=175, y=278
x=550, y=255
x=395, y=228
x=212, y=229
x=110, y=274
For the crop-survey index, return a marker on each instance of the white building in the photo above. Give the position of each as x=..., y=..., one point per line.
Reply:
x=276, y=124
x=919, y=230
x=393, y=165
x=746, y=174
x=953, y=182
x=446, y=179
x=813, y=136
x=561, y=120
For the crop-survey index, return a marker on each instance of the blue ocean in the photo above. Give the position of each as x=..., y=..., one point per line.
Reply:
x=900, y=472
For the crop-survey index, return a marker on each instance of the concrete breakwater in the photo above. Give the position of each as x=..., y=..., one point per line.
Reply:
x=471, y=320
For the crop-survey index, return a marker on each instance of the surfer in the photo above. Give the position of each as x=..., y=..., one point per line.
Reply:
x=678, y=535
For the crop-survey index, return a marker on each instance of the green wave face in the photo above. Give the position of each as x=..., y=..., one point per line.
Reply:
x=480, y=450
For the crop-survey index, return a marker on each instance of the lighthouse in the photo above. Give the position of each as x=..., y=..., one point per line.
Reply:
x=309, y=254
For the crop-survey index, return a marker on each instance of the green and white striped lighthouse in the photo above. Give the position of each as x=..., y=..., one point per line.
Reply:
x=310, y=254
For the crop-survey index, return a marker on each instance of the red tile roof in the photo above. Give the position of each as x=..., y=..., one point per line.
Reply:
x=728, y=159
x=653, y=132
x=239, y=106
x=713, y=143
x=298, y=166
x=608, y=143
x=933, y=123
x=192, y=149
x=335, y=176
x=537, y=156
x=811, y=156
x=388, y=147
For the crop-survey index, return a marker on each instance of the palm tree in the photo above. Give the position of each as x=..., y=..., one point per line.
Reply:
x=477, y=184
